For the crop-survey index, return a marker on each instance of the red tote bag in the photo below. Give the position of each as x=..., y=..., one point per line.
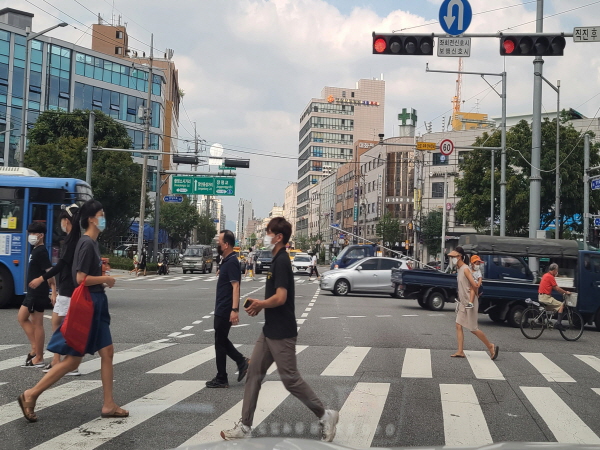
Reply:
x=78, y=322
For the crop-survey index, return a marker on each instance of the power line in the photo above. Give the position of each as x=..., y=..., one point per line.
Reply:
x=552, y=15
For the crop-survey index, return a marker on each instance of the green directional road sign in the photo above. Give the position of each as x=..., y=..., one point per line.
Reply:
x=226, y=168
x=223, y=186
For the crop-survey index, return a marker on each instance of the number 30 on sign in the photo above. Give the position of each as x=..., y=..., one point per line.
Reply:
x=446, y=147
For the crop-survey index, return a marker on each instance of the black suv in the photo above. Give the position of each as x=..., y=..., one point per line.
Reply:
x=264, y=260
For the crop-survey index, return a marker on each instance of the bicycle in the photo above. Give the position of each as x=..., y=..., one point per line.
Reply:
x=536, y=319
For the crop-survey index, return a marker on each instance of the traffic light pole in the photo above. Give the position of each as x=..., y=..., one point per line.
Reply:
x=535, y=181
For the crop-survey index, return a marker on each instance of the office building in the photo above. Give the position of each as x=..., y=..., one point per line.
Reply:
x=290, y=201
x=329, y=128
x=245, y=213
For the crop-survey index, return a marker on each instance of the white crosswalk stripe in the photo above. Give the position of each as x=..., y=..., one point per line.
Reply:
x=590, y=360
x=547, y=368
x=18, y=361
x=347, y=362
x=188, y=362
x=464, y=422
x=483, y=367
x=8, y=346
x=93, y=365
x=417, y=363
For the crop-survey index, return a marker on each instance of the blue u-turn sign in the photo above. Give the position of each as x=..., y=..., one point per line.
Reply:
x=455, y=16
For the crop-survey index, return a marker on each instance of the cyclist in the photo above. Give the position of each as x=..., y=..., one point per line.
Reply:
x=545, y=293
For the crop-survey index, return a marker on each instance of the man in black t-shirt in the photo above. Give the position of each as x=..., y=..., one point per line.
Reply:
x=227, y=308
x=277, y=342
x=31, y=313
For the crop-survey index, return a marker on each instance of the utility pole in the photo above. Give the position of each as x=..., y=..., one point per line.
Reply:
x=492, y=187
x=535, y=181
x=88, y=167
x=557, y=180
x=442, y=259
x=586, y=190
x=148, y=115
x=503, y=160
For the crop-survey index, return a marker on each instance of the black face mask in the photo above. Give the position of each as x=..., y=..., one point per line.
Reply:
x=219, y=250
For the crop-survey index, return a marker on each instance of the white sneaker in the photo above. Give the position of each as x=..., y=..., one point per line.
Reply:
x=328, y=424
x=73, y=373
x=239, y=431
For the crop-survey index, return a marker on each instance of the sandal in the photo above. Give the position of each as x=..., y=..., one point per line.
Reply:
x=29, y=357
x=495, y=354
x=117, y=412
x=31, y=417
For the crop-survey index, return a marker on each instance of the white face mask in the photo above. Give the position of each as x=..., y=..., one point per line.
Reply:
x=268, y=242
x=32, y=239
x=454, y=261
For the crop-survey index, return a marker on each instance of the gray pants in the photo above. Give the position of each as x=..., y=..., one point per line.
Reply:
x=283, y=353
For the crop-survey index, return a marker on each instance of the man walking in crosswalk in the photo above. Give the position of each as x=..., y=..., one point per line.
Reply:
x=277, y=342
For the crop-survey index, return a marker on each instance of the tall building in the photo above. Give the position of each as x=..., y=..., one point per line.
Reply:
x=290, y=205
x=215, y=209
x=245, y=213
x=329, y=128
x=64, y=76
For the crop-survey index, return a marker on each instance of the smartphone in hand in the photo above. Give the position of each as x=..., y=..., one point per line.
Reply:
x=247, y=303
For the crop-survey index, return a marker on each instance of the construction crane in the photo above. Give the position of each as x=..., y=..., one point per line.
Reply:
x=457, y=96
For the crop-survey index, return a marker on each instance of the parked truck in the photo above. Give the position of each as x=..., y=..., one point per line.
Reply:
x=507, y=280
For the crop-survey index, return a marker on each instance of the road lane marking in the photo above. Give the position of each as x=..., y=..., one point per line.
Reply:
x=54, y=396
x=410, y=315
x=355, y=317
x=18, y=361
x=240, y=325
x=174, y=279
x=483, y=367
x=196, y=322
x=124, y=355
x=189, y=327
x=347, y=362
x=300, y=321
x=385, y=315
x=547, y=368
x=206, y=317
x=308, y=309
x=325, y=318
x=564, y=424
x=99, y=431
x=46, y=316
x=185, y=335
x=591, y=361
x=8, y=346
x=177, y=333
x=304, y=315
x=417, y=363
x=360, y=415
x=273, y=367
x=188, y=362
x=464, y=422
x=272, y=394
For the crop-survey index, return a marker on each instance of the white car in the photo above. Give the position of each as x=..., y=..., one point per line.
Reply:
x=301, y=263
x=372, y=275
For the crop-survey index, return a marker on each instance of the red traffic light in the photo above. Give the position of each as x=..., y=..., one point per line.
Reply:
x=379, y=45
x=509, y=46
x=532, y=45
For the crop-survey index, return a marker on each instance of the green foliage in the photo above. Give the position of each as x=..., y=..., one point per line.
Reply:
x=122, y=263
x=58, y=149
x=474, y=188
x=253, y=239
x=206, y=229
x=389, y=230
x=179, y=219
x=431, y=231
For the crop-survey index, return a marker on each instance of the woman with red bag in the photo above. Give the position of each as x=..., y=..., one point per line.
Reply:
x=87, y=267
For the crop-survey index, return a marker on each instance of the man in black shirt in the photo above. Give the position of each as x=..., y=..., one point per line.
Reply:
x=31, y=313
x=227, y=308
x=277, y=342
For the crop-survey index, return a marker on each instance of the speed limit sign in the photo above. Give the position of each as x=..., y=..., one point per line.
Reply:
x=446, y=147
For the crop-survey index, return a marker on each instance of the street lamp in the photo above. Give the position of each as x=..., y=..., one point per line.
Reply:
x=29, y=38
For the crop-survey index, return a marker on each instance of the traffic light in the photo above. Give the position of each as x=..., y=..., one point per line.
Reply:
x=242, y=163
x=402, y=44
x=532, y=45
x=178, y=159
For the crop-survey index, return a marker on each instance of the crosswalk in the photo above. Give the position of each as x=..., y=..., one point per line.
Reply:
x=203, y=278
x=374, y=402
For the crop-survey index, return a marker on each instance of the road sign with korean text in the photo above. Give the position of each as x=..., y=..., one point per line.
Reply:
x=223, y=186
x=586, y=34
x=457, y=47
x=597, y=222
x=181, y=185
x=596, y=184
x=426, y=146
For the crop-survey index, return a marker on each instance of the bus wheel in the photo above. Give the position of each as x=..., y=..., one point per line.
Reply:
x=7, y=288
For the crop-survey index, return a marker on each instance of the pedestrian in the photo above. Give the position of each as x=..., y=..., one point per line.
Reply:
x=313, y=267
x=467, y=318
x=227, y=309
x=31, y=313
x=136, y=261
x=142, y=263
x=277, y=342
x=476, y=272
x=547, y=284
x=87, y=267
x=62, y=269
x=250, y=263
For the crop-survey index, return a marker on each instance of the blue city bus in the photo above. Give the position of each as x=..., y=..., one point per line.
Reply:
x=25, y=197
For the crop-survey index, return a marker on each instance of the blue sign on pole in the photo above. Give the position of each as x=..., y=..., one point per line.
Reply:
x=596, y=184
x=455, y=16
x=597, y=222
x=173, y=198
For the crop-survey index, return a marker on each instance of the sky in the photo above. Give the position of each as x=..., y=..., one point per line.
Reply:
x=250, y=67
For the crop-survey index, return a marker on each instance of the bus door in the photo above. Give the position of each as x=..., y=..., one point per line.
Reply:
x=48, y=215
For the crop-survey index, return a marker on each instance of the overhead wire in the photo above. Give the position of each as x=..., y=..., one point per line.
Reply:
x=553, y=15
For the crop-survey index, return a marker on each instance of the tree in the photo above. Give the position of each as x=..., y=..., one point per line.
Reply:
x=206, y=229
x=58, y=149
x=474, y=189
x=431, y=231
x=389, y=230
x=253, y=239
x=179, y=219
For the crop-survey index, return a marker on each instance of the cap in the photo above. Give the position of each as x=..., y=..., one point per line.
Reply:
x=476, y=259
x=458, y=251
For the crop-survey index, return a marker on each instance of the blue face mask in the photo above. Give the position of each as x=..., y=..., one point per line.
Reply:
x=101, y=223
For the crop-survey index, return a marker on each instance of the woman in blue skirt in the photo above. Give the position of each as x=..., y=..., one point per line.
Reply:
x=87, y=263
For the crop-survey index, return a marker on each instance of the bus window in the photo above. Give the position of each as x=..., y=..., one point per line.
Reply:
x=45, y=195
x=11, y=210
x=57, y=235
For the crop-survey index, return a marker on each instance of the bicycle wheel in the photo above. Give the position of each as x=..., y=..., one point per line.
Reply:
x=532, y=323
x=572, y=325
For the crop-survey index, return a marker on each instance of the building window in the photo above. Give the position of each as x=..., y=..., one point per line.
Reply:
x=437, y=189
x=439, y=159
x=119, y=35
x=352, y=94
x=118, y=50
x=344, y=94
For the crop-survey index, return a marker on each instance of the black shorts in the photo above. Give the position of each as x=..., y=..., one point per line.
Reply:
x=37, y=304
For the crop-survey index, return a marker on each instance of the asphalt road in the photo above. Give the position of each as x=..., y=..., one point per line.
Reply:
x=385, y=363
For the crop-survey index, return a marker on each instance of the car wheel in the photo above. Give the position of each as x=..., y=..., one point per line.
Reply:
x=396, y=293
x=496, y=316
x=422, y=303
x=597, y=320
x=184, y=271
x=436, y=301
x=210, y=269
x=342, y=287
x=514, y=316
x=203, y=269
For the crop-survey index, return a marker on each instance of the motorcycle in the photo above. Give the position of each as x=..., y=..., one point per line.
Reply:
x=163, y=267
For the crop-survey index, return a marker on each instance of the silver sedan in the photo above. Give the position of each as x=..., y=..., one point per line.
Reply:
x=371, y=275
